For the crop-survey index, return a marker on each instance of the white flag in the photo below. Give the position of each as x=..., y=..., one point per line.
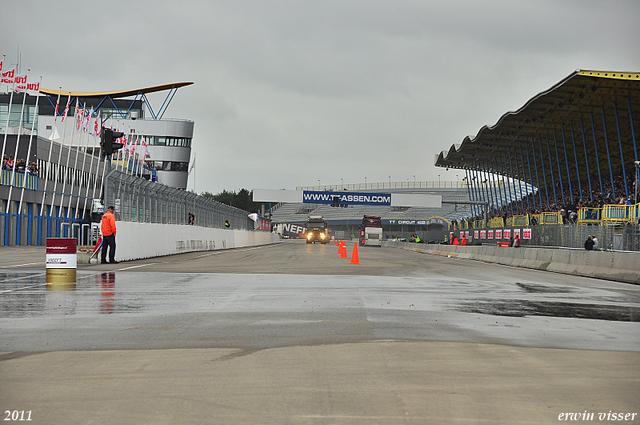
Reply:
x=8, y=76
x=20, y=83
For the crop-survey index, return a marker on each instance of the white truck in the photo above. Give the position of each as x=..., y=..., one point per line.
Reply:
x=371, y=231
x=317, y=230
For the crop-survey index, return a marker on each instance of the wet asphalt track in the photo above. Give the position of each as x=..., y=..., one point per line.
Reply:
x=293, y=294
x=292, y=333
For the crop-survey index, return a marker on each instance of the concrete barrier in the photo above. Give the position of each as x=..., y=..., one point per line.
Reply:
x=617, y=266
x=147, y=240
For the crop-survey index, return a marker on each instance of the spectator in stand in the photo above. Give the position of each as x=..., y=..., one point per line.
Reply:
x=573, y=217
x=588, y=244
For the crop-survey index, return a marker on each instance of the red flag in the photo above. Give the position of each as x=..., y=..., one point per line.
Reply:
x=57, y=104
x=96, y=127
x=66, y=109
x=79, y=116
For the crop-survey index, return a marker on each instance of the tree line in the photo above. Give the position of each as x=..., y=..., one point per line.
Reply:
x=242, y=199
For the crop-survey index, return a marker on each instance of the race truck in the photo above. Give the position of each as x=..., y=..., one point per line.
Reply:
x=317, y=230
x=371, y=231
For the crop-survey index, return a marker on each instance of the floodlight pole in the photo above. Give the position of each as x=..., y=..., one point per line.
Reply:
x=637, y=164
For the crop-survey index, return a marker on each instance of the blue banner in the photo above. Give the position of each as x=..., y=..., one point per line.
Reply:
x=346, y=198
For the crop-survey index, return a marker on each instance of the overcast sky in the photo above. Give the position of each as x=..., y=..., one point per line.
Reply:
x=289, y=93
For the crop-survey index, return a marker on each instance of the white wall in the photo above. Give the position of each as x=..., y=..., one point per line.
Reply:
x=147, y=240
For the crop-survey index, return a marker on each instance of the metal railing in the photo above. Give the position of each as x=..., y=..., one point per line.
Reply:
x=387, y=185
x=616, y=213
x=139, y=200
x=17, y=179
x=496, y=222
x=589, y=215
x=518, y=220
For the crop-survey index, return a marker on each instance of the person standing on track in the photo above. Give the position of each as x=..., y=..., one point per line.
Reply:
x=109, y=237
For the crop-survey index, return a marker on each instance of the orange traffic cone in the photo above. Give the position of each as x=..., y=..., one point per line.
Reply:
x=343, y=250
x=354, y=257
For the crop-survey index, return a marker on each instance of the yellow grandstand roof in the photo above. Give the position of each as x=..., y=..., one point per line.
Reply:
x=119, y=94
x=584, y=105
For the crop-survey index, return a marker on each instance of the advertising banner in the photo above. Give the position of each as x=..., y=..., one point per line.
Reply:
x=62, y=261
x=348, y=198
x=291, y=231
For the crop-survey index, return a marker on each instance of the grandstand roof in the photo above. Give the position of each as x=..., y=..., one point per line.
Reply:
x=584, y=103
x=119, y=93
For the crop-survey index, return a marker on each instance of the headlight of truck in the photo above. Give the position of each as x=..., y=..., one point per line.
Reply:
x=322, y=235
x=309, y=235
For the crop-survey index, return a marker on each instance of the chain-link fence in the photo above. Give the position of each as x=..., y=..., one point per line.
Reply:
x=139, y=200
x=616, y=237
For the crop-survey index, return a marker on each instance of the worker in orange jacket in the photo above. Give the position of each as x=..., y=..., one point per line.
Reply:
x=109, y=236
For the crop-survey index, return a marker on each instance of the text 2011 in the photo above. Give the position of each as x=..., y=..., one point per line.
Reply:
x=17, y=415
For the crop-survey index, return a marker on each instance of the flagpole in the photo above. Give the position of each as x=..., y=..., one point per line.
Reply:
x=6, y=133
x=84, y=160
x=104, y=168
x=75, y=167
x=79, y=119
x=93, y=154
x=127, y=152
x=132, y=155
x=143, y=156
x=15, y=155
x=57, y=174
x=123, y=152
x=48, y=166
x=33, y=124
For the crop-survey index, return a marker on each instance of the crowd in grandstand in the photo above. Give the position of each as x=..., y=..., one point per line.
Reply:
x=568, y=205
x=20, y=164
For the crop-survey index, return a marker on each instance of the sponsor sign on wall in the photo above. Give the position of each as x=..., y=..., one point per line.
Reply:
x=62, y=260
x=348, y=198
x=292, y=231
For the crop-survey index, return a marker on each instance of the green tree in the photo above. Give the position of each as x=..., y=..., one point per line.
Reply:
x=242, y=199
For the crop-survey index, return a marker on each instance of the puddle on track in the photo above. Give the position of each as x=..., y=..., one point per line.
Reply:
x=523, y=308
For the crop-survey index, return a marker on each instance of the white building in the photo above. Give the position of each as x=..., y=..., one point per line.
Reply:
x=168, y=140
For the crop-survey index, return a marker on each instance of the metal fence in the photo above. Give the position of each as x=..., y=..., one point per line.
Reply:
x=139, y=200
x=617, y=237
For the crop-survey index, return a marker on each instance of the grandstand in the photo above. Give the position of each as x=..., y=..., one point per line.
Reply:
x=574, y=150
